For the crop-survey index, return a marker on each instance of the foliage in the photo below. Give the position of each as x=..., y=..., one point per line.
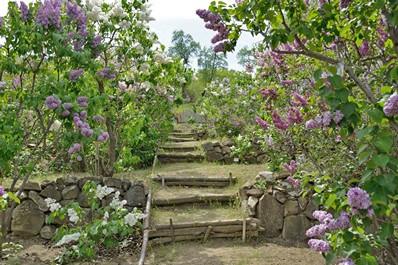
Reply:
x=327, y=73
x=111, y=226
x=183, y=46
x=245, y=56
x=209, y=62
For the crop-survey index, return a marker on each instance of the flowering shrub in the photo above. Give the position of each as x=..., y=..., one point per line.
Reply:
x=110, y=226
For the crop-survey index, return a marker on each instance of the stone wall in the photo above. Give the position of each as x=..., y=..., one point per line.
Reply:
x=221, y=152
x=282, y=212
x=29, y=218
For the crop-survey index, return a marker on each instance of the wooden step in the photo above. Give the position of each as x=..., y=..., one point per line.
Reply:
x=198, y=198
x=179, y=140
x=183, y=135
x=175, y=148
x=180, y=157
x=198, y=181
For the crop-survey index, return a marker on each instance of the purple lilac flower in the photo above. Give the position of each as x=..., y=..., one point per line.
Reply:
x=338, y=116
x=269, y=93
x=279, y=123
x=103, y=137
x=52, y=103
x=81, y=99
x=79, y=158
x=24, y=11
x=98, y=118
x=294, y=116
x=262, y=123
x=326, y=119
x=294, y=182
x=49, y=14
x=1, y=190
x=364, y=48
x=344, y=3
x=391, y=106
x=300, y=100
x=344, y=221
x=319, y=245
x=78, y=46
x=322, y=216
x=291, y=167
x=83, y=115
x=74, y=74
x=16, y=81
x=249, y=68
x=68, y=105
x=220, y=47
x=107, y=73
x=383, y=35
x=317, y=230
x=311, y=124
x=2, y=84
x=65, y=113
x=75, y=148
x=96, y=41
x=287, y=82
x=346, y=261
x=358, y=198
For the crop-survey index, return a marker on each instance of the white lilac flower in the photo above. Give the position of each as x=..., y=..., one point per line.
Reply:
x=101, y=192
x=132, y=218
x=116, y=203
x=73, y=217
x=68, y=238
x=52, y=204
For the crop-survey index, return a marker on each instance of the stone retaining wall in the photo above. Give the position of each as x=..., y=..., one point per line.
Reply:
x=282, y=212
x=30, y=217
x=221, y=152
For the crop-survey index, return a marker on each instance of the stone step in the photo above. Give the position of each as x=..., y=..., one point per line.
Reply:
x=195, y=181
x=180, y=157
x=178, y=140
x=183, y=135
x=197, y=198
x=181, y=147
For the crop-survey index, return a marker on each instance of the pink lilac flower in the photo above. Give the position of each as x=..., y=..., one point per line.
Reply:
x=344, y=3
x=103, y=137
x=68, y=105
x=269, y=140
x=287, y=82
x=364, y=48
x=75, y=148
x=269, y=93
x=16, y=81
x=391, y=106
x=311, y=124
x=262, y=123
x=326, y=119
x=344, y=221
x=1, y=22
x=78, y=45
x=74, y=74
x=346, y=261
x=98, y=118
x=1, y=190
x=294, y=182
x=249, y=68
x=49, y=14
x=279, y=123
x=83, y=115
x=220, y=46
x=300, y=100
x=358, y=198
x=317, y=230
x=338, y=116
x=52, y=103
x=213, y=22
x=319, y=245
x=291, y=167
x=24, y=11
x=79, y=158
x=294, y=116
x=383, y=35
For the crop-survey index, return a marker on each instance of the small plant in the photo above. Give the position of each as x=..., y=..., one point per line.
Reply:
x=110, y=226
x=261, y=184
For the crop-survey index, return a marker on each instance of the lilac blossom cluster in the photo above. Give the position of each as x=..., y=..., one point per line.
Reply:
x=358, y=199
x=75, y=148
x=391, y=106
x=299, y=100
x=49, y=14
x=81, y=126
x=75, y=74
x=346, y=261
x=383, y=35
x=77, y=14
x=294, y=182
x=269, y=93
x=24, y=11
x=262, y=123
x=291, y=167
x=364, y=48
x=324, y=120
x=344, y=3
x=294, y=116
x=287, y=82
x=52, y=103
x=98, y=118
x=319, y=245
x=97, y=40
x=277, y=58
x=107, y=73
x=103, y=137
x=213, y=22
x=279, y=123
x=82, y=101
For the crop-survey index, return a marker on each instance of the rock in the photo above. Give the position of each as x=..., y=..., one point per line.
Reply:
x=83, y=200
x=32, y=186
x=262, y=158
x=255, y=192
x=8, y=217
x=23, y=196
x=214, y=156
x=279, y=196
x=27, y=219
x=251, y=159
x=48, y=232
x=126, y=183
x=226, y=150
x=46, y=183
x=311, y=207
x=294, y=228
x=265, y=175
x=51, y=192
x=252, y=202
x=113, y=182
x=65, y=202
x=294, y=193
x=217, y=149
x=227, y=159
x=135, y=196
x=229, y=143
x=83, y=181
x=70, y=192
x=303, y=201
x=291, y=208
x=208, y=146
x=34, y=196
x=218, y=144
x=270, y=213
x=71, y=180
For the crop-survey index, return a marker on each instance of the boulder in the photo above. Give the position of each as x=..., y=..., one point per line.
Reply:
x=113, y=182
x=217, y=149
x=71, y=180
x=48, y=232
x=303, y=201
x=265, y=175
x=126, y=183
x=51, y=192
x=32, y=186
x=279, y=196
x=255, y=192
x=135, y=196
x=208, y=146
x=83, y=200
x=226, y=150
x=311, y=207
x=70, y=192
x=294, y=228
x=27, y=219
x=270, y=213
x=213, y=156
x=252, y=202
x=291, y=208
x=34, y=196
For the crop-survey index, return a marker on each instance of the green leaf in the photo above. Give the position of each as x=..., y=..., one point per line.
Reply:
x=330, y=201
x=342, y=94
x=348, y=108
x=336, y=81
x=364, y=156
x=384, y=143
x=381, y=160
x=386, y=90
x=12, y=196
x=333, y=102
x=376, y=115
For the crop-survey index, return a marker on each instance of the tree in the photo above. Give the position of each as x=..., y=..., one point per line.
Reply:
x=209, y=62
x=183, y=46
x=246, y=56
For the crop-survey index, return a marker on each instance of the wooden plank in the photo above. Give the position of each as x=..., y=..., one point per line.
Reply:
x=195, y=178
x=198, y=198
x=209, y=223
x=196, y=184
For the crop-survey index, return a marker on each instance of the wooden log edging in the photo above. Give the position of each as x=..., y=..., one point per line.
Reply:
x=166, y=233
x=199, y=198
x=146, y=230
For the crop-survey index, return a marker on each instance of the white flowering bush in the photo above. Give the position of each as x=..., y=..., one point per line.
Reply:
x=111, y=226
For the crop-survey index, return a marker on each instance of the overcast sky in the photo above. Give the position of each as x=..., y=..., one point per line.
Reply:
x=173, y=15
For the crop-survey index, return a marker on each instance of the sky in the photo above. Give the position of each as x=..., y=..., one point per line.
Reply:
x=173, y=15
